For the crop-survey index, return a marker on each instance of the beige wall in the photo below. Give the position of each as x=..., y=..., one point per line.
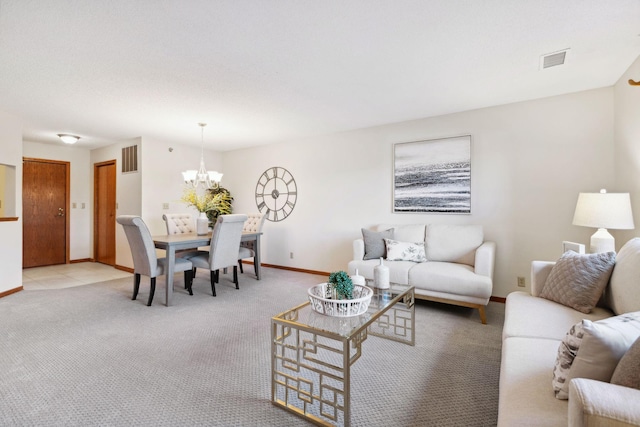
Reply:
x=529, y=162
x=627, y=145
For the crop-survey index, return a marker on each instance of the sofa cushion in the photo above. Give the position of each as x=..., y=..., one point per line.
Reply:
x=450, y=278
x=623, y=292
x=603, y=344
x=406, y=232
x=578, y=280
x=405, y=251
x=552, y=320
x=525, y=396
x=374, y=247
x=453, y=243
x=627, y=373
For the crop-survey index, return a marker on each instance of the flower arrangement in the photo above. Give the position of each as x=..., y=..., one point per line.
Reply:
x=203, y=203
x=341, y=283
x=223, y=200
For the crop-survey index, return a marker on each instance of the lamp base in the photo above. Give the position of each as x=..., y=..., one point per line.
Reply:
x=602, y=241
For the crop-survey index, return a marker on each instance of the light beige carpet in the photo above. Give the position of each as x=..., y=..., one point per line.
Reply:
x=88, y=356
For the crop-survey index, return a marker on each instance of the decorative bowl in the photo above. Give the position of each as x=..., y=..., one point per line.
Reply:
x=319, y=296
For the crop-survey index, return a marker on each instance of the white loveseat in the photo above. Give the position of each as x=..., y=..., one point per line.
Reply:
x=533, y=329
x=458, y=270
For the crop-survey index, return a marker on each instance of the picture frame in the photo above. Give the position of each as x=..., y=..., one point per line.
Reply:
x=573, y=246
x=432, y=176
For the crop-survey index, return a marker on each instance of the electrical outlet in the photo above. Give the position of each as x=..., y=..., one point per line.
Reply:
x=165, y=206
x=83, y=206
x=291, y=255
x=521, y=282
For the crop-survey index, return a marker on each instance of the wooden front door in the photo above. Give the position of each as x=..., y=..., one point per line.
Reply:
x=45, y=208
x=104, y=223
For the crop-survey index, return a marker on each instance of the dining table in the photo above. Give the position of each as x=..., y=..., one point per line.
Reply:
x=176, y=242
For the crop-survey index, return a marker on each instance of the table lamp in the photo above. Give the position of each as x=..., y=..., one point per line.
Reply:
x=603, y=210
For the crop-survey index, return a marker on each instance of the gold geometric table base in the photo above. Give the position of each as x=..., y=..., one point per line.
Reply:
x=312, y=354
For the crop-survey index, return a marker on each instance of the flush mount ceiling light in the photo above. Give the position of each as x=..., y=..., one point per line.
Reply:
x=68, y=139
x=202, y=177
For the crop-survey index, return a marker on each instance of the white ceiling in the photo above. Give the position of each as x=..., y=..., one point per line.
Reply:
x=263, y=71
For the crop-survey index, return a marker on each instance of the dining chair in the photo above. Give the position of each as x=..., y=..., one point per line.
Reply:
x=179, y=223
x=145, y=260
x=253, y=224
x=223, y=251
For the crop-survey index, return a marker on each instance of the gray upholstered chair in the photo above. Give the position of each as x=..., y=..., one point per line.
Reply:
x=179, y=223
x=223, y=252
x=145, y=261
x=253, y=224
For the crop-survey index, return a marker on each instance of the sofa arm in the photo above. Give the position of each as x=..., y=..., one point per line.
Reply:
x=358, y=249
x=485, y=259
x=595, y=403
x=539, y=272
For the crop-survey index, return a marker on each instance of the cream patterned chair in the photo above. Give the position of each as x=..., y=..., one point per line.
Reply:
x=253, y=224
x=179, y=223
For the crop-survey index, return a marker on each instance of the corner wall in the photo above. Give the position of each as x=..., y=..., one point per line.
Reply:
x=11, y=231
x=627, y=145
x=529, y=162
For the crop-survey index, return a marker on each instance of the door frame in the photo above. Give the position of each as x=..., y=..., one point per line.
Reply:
x=67, y=200
x=95, y=206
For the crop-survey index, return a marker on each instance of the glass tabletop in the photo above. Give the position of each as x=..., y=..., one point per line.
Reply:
x=304, y=317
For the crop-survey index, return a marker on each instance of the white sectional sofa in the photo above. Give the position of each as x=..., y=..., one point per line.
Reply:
x=459, y=266
x=534, y=328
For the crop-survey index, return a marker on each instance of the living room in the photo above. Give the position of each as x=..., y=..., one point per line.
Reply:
x=530, y=158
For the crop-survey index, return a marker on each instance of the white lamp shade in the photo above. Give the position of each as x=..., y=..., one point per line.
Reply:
x=215, y=176
x=604, y=210
x=189, y=175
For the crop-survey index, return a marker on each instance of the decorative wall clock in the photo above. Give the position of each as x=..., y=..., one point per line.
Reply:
x=276, y=193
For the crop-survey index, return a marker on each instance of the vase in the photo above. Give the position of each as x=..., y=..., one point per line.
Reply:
x=381, y=276
x=202, y=224
x=357, y=279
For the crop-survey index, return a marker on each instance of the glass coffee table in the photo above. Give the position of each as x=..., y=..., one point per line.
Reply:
x=312, y=354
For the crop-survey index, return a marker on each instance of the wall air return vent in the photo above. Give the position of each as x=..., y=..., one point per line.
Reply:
x=130, y=159
x=553, y=59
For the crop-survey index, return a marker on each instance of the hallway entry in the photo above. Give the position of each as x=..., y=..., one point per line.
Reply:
x=45, y=206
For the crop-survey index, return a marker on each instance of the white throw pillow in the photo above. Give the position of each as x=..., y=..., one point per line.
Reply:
x=405, y=251
x=566, y=355
x=597, y=353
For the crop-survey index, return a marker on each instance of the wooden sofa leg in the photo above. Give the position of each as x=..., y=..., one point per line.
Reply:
x=483, y=316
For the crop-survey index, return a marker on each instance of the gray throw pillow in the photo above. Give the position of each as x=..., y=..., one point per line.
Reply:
x=374, y=243
x=578, y=280
x=627, y=372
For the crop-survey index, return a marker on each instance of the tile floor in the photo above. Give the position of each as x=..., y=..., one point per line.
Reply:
x=69, y=275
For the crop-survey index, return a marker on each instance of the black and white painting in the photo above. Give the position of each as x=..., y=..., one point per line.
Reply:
x=433, y=176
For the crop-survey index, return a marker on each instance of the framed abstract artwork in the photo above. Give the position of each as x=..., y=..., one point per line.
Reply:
x=432, y=176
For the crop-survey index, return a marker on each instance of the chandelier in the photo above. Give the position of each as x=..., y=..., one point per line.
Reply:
x=202, y=177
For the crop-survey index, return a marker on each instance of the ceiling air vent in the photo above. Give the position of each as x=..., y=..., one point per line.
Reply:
x=130, y=159
x=553, y=59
